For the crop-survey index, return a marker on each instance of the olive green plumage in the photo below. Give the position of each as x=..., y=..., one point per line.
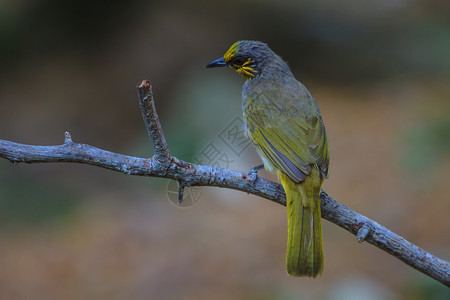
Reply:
x=284, y=123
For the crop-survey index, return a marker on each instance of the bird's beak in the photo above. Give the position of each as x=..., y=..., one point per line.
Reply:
x=217, y=63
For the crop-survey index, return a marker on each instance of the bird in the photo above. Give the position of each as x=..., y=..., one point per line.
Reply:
x=283, y=121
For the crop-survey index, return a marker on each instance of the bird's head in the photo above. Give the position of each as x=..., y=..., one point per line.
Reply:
x=245, y=57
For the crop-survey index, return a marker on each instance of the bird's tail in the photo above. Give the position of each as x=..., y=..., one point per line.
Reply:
x=304, y=246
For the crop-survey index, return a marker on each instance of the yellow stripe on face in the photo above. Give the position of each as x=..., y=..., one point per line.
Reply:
x=246, y=63
x=246, y=70
x=231, y=52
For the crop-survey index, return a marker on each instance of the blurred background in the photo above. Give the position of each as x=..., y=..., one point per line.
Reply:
x=379, y=71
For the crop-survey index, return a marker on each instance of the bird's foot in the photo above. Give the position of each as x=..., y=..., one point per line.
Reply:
x=253, y=173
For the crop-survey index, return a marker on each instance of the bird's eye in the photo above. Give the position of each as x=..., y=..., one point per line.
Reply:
x=239, y=60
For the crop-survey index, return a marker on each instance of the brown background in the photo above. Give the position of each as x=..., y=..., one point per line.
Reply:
x=379, y=71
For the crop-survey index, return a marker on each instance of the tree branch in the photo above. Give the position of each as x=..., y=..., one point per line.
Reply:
x=151, y=121
x=162, y=164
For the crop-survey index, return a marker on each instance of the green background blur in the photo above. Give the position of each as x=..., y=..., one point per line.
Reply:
x=379, y=71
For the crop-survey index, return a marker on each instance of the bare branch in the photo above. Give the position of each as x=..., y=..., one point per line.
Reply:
x=151, y=121
x=180, y=192
x=162, y=164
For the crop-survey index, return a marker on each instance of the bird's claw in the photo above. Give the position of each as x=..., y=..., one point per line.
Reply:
x=253, y=173
x=252, y=176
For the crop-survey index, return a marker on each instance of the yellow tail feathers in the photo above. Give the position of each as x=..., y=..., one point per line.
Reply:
x=304, y=255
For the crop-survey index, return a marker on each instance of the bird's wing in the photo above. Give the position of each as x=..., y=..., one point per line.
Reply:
x=287, y=129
